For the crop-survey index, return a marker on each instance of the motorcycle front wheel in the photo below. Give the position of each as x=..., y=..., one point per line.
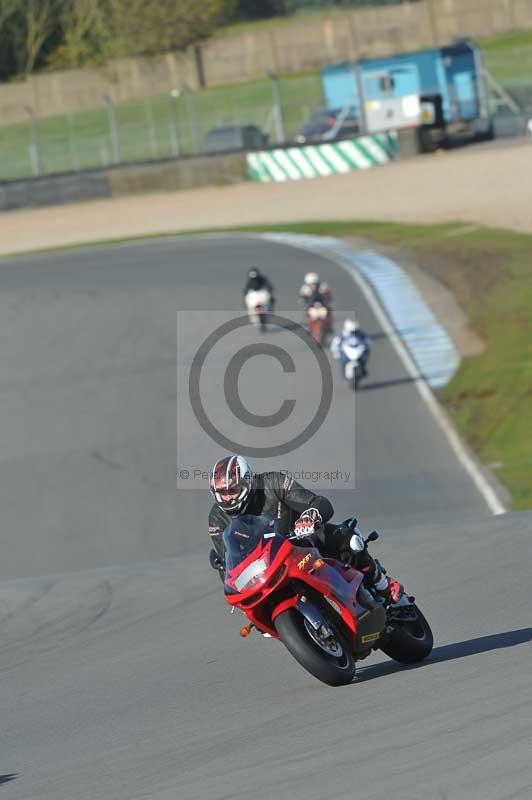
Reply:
x=410, y=641
x=329, y=659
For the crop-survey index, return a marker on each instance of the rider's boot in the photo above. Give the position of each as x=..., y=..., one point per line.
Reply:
x=375, y=578
x=385, y=588
x=389, y=589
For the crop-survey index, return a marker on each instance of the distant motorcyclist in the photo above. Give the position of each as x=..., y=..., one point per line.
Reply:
x=352, y=335
x=314, y=289
x=238, y=490
x=316, y=292
x=256, y=281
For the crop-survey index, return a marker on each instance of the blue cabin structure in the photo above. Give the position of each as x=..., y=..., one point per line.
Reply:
x=442, y=89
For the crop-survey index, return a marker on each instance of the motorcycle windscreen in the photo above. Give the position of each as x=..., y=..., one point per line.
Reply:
x=251, y=543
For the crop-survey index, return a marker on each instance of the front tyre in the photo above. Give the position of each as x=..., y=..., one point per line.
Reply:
x=329, y=660
x=409, y=641
x=263, y=319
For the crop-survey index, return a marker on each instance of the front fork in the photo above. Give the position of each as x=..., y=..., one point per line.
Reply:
x=313, y=615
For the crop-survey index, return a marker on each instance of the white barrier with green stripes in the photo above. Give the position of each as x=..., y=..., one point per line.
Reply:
x=320, y=160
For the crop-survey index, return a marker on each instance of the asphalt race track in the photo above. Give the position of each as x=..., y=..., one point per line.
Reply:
x=122, y=675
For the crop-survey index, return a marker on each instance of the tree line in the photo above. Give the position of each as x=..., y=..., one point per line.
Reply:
x=63, y=34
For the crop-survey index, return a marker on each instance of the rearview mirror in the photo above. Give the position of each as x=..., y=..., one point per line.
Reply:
x=372, y=537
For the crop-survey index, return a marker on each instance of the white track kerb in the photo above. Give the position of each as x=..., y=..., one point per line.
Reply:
x=436, y=357
x=320, y=160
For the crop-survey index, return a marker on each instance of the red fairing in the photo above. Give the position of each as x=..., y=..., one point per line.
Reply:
x=315, y=605
x=286, y=568
x=317, y=320
x=290, y=603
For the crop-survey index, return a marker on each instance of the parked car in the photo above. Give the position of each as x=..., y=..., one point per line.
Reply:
x=326, y=125
x=235, y=137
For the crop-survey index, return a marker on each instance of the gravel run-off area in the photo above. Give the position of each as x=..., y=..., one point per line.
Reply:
x=482, y=184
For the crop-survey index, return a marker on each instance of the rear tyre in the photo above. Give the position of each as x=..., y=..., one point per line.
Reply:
x=409, y=642
x=332, y=664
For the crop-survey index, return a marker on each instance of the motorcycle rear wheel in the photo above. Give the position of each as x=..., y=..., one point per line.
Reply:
x=334, y=670
x=409, y=642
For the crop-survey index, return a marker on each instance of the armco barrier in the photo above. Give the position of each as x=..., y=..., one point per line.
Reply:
x=167, y=176
x=53, y=190
x=292, y=163
x=320, y=160
x=182, y=173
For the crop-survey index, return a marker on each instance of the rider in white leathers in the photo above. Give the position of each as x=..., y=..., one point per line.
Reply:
x=352, y=336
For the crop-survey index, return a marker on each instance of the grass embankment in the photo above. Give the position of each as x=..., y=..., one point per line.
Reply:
x=490, y=273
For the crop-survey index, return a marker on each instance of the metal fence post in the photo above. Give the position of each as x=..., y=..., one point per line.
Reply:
x=154, y=146
x=113, y=127
x=35, y=146
x=280, y=132
x=74, y=154
x=173, y=125
x=361, y=99
x=104, y=155
x=192, y=105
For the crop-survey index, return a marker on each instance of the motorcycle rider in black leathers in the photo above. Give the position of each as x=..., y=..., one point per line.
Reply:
x=237, y=490
x=256, y=281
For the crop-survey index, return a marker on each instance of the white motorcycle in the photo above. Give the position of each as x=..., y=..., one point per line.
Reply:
x=258, y=304
x=350, y=356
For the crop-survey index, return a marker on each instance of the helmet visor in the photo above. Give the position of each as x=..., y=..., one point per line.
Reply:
x=230, y=493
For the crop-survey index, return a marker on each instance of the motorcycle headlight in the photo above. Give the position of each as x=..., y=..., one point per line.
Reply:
x=251, y=575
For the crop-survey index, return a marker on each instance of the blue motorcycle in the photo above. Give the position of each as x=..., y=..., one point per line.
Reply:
x=352, y=352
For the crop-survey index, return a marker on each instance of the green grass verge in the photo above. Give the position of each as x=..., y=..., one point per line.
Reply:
x=490, y=273
x=509, y=57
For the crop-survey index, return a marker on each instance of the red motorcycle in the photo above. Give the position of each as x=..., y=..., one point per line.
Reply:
x=318, y=321
x=318, y=607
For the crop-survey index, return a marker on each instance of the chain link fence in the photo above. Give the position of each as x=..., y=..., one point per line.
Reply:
x=168, y=126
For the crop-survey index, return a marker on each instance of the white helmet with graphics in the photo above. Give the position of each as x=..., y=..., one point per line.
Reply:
x=311, y=279
x=232, y=482
x=350, y=326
